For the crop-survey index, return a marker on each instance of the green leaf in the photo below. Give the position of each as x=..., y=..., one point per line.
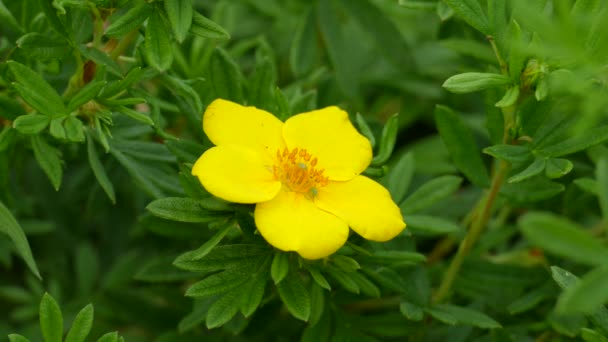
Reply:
x=279, y=267
x=557, y=235
x=100, y=58
x=304, y=52
x=203, y=27
x=50, y=14
x=74, y=129
x=531, y=190
x=86, y=94
x=203, y=250
x=566, y=280
x=319, y=279
x=431, y=225
x=400, y=176
x=474, y=81
x=179, y=13
x=589, y=185
x=418, y=5
x=252, y=295
x=462, y=146
x=558, y=167
x=222, y=310
x=591, y=137
x=81, y=326
x=589, y=335
x=587, y=295
x=158, y=47
x=135, y=115
x=497, y=16
x=398, y=257
x=317, y=303
x=365, y=285
x=222, y=257
x=601, y=174
x=56, y=129
x=10, y=227
x=98, y=169
x=7, y=18
x=109, y=337
x=345, y=263
x=536, y=167
x=517, y=57
x=48, y=159
x=471, y=12
x=387, y=141
x=430, y=193
x=510, y=97
x=128, y=21
x=412, y=311
x=31, y=123
x=42, y=46
x=225, y=76
x=17, y=337
x=51, y=320
x=295, y=296
x=510, y=153
x=10, y=108
x=451, y=314
x=181, y=210
x=36, y=91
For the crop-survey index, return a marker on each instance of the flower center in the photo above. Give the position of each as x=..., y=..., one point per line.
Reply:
x=297, y=170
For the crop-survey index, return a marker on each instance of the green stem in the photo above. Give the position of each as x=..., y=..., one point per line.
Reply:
x=477, y=227
x=504, y=68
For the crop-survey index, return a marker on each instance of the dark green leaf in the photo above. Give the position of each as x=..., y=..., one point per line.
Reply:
x=430, y=193
x=201, y=26
x=135, y=115
x=31, y=124
x=587, y=295
x=462, y=147
x=223, y=310
x=531, y=190
x=98, y=170
x=36, y=91
x=128, y=21
x=81, y=326
x=279, y=267
x=10, y=227
x=7, y=17
x=510, y=97
x=601, y=187
x=471, y=12
x=400, y=176
x=411, y=311
x=537, y=166
x=451, y=314
x=179, y=13
x=203, y=250
x=387, y=141
x=295, y=296
x=225, y=76
x=558, y=235
x=591, y=137
x=252, y=295
x=474, y=81
x=510, y=153
x=43, y=47
x=319, y=279
x=48, y=159
x=158, y=46
x=304, y=53
x=430, y=225
x=181, y=210
x=51, y=320
x=86, y=94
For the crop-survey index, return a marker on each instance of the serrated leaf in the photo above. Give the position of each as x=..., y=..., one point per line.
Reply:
x=48, y=159
x=560, y=236
x=36, y=91
x=10, y=227
x=51, y=320
x=471, y=12
x=295, y=296
x=31, y=123
x=474, y=81
x=128, y=21
x=179, y=13
x=98, y=169
x=430, y=193
x=461, y=145
x=279, y=267
x=204, y=27
x=157, y=42
x=451, y=314
x=81, y=326
x=536, y=167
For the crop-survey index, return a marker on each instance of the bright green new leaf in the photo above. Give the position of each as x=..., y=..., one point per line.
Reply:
x=31, y=123
x=179, y=13
x=430, y=193
x=48, y=159
x=295, y=296
x=462, y=146
x=56, y=128
x=51, y=320
x=510, y=97
x=36, y=91
x=109, y=337
x=10, y=227
x=81, y=326
x=558, y=235
x=474, y=81
x=158, y=46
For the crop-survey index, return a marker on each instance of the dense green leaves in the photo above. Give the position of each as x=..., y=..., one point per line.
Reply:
x=36, y=91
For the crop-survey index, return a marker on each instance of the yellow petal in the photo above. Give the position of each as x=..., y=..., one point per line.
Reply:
x=227, y=122
x=292, y=222
x=236, y=174
x=329, y=136
x=365, y=205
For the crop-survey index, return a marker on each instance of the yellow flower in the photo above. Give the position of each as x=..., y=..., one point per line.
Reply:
x=303, y=174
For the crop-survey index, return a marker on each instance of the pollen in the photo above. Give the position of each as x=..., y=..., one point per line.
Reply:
x=297, y=170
